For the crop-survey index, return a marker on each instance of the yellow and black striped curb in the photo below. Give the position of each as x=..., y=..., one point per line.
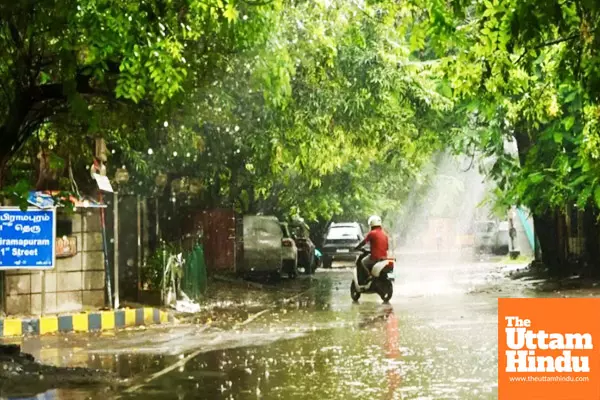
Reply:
x=84, y=322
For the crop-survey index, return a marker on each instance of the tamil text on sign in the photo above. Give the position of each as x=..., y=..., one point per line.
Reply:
x=27, y=238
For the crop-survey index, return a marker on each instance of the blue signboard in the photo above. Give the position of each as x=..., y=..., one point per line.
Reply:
x=27, y=238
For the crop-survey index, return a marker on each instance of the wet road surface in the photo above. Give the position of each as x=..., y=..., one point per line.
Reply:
x=437, y=339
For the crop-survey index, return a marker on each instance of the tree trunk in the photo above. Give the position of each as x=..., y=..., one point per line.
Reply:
x=215, y=192
x=17, y=127
x=251, y=200
x=234, y=191
x=550, y=229
x=3, y=163
x=537, y=253
x=591, y=233
x=523, y=145
x=5, y=157
x=563, y=240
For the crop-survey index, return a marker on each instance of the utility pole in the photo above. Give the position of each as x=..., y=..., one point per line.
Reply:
x=121, y=177
x=116, y=247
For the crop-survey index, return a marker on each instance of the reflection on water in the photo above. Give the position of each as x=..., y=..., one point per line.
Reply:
x=56, y=394
x=49, y=395
x=392, y=354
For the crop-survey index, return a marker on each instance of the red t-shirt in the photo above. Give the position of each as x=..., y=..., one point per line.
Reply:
x=379, y=243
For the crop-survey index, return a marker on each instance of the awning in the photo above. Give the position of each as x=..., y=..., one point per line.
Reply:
x=46, y=200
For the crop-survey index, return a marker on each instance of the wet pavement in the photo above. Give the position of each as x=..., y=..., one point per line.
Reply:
x=437, y=339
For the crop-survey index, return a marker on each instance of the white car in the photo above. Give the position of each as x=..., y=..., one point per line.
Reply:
x=503, y=238
x=289, y=252
x=261, y=246
x=492, y=237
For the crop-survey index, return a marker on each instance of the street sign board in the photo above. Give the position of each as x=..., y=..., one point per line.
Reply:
x=27, y=238
x=103, y=183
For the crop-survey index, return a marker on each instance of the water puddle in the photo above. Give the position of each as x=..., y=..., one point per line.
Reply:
x=210, y=341
x=435, y=341
x=60, y=394
x=49, y=395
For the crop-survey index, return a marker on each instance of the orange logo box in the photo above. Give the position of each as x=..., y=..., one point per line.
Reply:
x=548, y=349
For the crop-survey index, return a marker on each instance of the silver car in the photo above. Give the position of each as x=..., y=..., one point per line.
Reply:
x=262, y=245
x=485, y=236
x=491, y=237
x=289, y=252
x=503, y=238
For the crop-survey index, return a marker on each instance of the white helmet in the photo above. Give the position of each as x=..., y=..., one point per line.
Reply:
x=374, y=220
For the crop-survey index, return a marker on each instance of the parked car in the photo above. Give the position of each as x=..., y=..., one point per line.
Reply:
x=289, y=252
x=485, y=232
x=503, y=238
x=261, y=246
x=306, y=248
x=491, y=237
x=340, y=241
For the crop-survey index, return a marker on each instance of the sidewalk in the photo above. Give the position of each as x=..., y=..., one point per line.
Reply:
x=93, y=321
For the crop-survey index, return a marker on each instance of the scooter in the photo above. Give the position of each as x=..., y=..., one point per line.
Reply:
x=379, y=281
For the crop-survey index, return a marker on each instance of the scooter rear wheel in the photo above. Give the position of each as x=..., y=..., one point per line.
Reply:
x=354, y=293
x=386, y=290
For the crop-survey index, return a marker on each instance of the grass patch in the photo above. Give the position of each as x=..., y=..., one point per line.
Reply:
x=518, y=260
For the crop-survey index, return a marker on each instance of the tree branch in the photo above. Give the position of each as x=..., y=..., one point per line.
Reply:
x=548, y=44
x=258, y=3
x=471, y=163
x=14, y=33
x=557, y=41
x=55, y=91
x=5, y=90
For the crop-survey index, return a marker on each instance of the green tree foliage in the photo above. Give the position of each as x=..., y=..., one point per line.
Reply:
x=526, y=71
x=331, y=116
x=87, y=58
x=326, y=109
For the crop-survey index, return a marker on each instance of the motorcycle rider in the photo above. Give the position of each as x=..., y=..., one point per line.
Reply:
x=378, y=240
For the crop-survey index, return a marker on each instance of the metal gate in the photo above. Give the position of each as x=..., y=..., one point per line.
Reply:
x=130, y=244
x=219, y=232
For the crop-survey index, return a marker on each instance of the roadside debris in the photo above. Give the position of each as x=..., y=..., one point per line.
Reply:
x=21, y=374
x=186, y=305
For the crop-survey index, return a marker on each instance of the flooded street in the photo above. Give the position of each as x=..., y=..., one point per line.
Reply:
x=437, y=339
x=185, y=187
